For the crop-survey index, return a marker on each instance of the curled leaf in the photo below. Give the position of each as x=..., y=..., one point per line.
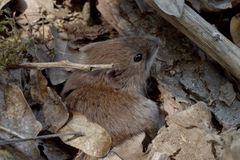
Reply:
x=95, y=141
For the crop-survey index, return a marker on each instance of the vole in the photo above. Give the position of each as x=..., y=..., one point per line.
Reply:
x=114, y=98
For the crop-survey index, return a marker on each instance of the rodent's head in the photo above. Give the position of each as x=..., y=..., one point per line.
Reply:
x=132, y=57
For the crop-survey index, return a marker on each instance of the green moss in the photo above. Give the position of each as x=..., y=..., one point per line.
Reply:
x=11, y=52
x=11, y=45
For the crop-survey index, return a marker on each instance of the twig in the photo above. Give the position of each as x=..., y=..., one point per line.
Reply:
x=11, y=132
x=206, y=36
x=10, y=141
x=66, y=65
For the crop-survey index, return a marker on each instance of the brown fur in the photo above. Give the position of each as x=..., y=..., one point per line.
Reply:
x=114, y=98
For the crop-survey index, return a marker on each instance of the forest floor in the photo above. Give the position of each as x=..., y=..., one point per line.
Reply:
x=201, y=99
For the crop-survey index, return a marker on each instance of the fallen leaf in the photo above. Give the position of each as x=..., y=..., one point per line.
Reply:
x=57, y=75
x=95, y=141
x=53, y=150
x=229, y=142
x=235, y=29
x=231, y=145
x=171, y=7
x=170, y=105
x=185, y=137
x=211, y=5
x=197, y=115
x=53, y=106
x=227, y=93
x=10, y=153
x=112, y=156
x=228, y=117
x=160, y=156
x=131, y=149
x=38, y=86
x=194, y=86
x=17, y=116
x=32, y=10
x=55, y=111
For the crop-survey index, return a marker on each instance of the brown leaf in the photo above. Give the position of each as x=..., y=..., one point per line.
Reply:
x=55, y=111
x=38, y=86
x=211, y=5
x=56, y=151
x=231, y=146
x=32, y=10
x=57, y=75
x=235, y=29
x=185, y=136
x=53, y=107
x=17, y=116
x=95, y=142
x=227, y=93
x=130, y=149
x=170, y=105
x=197, y=115
x=11, y=153
x=229, y=142
x=160, y=156
x=171, y=7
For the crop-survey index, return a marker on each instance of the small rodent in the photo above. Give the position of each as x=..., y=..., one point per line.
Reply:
x=114, y=98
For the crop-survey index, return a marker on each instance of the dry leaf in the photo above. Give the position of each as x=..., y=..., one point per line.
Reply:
x=112, y=156
x=53, y=107
x=197, y=115
x=186, y=141
x=17, y=116
x=228, y=117
x=130, y=149
x=229, y=142
x=55, y=111
x=127, y=19
x=95, y=141
x=10, y=153
x=38, y=86
x=211, y=5
x=231, y=145
x=160, y=156
x=32, y=10
x=235, y=29
x=56, y=151
x=57, y=75
x=171, y=7
x=227, y=93
x=170, y=105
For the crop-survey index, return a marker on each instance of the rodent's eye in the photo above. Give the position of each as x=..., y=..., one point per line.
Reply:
x=138, y=57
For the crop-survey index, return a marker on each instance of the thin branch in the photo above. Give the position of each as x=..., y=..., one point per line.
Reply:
x=11, y=141
x=66, y=65
x=11, y=132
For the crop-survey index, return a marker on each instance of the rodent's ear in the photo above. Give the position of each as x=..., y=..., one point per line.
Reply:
x=116, y=77
x=114, y=73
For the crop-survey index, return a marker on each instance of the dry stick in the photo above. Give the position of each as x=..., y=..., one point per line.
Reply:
x=11, y=132
x=65, y=64
x=11, y=141
x=206, y=37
